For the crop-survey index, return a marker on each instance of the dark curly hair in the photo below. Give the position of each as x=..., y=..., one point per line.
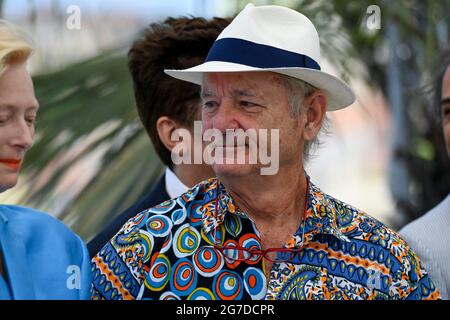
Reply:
x=176, y=43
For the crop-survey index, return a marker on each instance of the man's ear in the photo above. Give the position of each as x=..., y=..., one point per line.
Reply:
x=165, y=127
x=316, y=107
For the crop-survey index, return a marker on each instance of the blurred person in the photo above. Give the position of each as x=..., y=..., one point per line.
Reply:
x=166, y=104
x=430, y=234
x=40, y=258
x=249, y=235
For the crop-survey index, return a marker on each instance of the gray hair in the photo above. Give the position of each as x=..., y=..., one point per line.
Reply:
x=298, y=90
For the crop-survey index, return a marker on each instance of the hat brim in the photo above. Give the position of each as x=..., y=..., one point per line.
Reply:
x=339, y=94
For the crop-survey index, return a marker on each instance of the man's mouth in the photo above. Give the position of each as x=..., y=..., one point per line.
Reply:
x=230, y=144
x=11, y=163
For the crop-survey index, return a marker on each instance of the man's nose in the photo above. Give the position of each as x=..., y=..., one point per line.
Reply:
x=227, y=117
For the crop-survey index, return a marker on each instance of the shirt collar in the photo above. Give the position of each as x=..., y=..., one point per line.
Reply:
x=320, y=215
x=174, y=186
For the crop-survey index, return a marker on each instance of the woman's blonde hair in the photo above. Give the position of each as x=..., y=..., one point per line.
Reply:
x=14, y=45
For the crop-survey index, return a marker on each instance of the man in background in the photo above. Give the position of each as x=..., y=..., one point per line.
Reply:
x=165, y=104
x=429, y=235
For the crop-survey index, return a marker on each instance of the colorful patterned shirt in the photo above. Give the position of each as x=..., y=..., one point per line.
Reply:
x=168, y=252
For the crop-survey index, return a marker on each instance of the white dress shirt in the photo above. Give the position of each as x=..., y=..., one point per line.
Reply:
x=174, y=186
x=429, y=237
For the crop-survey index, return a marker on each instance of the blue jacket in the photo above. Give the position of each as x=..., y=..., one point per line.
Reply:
x=42, y=258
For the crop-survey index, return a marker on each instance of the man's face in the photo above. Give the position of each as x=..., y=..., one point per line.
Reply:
x=445, y=108
x=18, y=108
x=251, y=100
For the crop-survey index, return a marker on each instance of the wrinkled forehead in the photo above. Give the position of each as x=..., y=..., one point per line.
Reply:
x=227, y=82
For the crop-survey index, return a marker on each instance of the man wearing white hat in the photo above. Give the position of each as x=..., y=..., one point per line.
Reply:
x=246, y=235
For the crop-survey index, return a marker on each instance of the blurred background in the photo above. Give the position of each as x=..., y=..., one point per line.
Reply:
x=92, y=158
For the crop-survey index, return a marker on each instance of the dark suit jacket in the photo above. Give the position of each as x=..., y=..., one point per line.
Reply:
x=157, y=196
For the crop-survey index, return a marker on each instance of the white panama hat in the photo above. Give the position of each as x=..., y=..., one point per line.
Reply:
x=276, y=39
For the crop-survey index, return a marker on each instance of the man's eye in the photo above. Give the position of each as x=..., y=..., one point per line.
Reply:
x=247, y=104
x=209, y=104
x=3, y=120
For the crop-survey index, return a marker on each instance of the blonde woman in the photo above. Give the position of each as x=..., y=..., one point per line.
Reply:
x=40, y=258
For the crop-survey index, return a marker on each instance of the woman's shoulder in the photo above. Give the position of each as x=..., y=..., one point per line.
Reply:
x=28, y=221
x=24, y=215
x=17, y=213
